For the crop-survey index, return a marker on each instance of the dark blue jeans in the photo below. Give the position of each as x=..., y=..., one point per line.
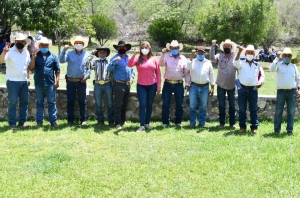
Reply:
x=221, y=94
x=40, y=93
x=121, y=96
x=17, y=90
x=99, y=92
x=146, y=96
x=167, y=91
x=247, y=95
x=290, y=99
x=74, y=88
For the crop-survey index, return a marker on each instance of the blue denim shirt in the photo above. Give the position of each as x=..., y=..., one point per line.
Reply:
x=45, y=69
x=77, y=63
x=120, y=69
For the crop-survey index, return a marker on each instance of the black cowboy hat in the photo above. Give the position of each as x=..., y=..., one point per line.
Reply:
x=122, y=43
x=103, y=48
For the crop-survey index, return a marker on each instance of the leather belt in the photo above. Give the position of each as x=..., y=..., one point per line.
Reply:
x=287, y=90
x=199, y=85
x=173, y=81
x=102, y=82
x=74, y=79
x=124, y=82
x=247, y=87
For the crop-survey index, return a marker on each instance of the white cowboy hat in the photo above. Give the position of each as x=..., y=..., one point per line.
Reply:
x=250, y=48
x=174, y=43
x=79, y=38
x=44, y=40
x=39, y=32
x=228, y=41
x=288, y=50
x=21, y=37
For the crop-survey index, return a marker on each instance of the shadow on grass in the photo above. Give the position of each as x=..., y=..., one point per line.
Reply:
x=274, y=135
x=237, y=133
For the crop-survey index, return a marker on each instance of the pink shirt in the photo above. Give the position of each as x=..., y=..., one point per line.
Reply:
x=176, y=68
x=148, y=71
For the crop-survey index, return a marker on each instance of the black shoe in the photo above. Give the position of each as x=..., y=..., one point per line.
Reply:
x=277, y=132
x=290, y=133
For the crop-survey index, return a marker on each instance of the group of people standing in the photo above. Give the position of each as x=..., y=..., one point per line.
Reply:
x=114, y=77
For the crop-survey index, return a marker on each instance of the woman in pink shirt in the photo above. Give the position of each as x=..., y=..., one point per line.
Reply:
x=148, y=83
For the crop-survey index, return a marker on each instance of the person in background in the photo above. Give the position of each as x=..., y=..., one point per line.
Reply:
x=213, y=53
x=31, y=46
x=39, y=35
x=148, y=83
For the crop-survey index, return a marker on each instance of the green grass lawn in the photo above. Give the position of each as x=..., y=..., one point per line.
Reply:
x=171, y=162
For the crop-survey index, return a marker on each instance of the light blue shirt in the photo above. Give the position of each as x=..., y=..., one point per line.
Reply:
x=78, y=64
x=120, y=69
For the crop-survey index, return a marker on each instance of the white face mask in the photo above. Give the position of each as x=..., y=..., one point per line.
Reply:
x=145, y=51
x=249, y=57
x=78, y=46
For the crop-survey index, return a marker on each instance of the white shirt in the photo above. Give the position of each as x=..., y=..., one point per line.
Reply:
x=17, y=64
x=287, y=76
x=248, y=75
x=201, y=71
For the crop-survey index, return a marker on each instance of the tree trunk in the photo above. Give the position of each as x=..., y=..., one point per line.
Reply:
x=90, y=40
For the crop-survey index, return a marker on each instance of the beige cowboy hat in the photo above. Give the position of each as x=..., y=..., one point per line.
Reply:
x=228, y=41
x=288, y=50
x=44, y=40
x=174, y=43
x=21, y=37
x=81, y=39
x=250, y=48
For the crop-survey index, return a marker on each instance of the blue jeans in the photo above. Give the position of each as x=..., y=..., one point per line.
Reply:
x=198, y=95
x=146, y=96
x=121, y=96
x=74, y=88
x=247, y=95
x=222, y=107
x=167, y=91
x=99, y=92
x=40, y=93
x=17, y=90
x=290, y=99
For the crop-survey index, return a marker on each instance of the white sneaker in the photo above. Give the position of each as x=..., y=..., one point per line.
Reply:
x=142, y=128
x=147, y=126
x=165, y=125
x=118, y=127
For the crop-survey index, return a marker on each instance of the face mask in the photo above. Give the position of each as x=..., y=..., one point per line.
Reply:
x=122, y=51
x=249, y=57
x=145, y=51
x=20, y=45
x=78, y=47
x=174, y=52
x=200, y=57
x=44, y=50
x=286, y=60
x=227, y=50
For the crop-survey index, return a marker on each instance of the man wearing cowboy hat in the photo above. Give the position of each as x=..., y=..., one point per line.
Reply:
x=226, y=82
x=39, y=35
x=78, y=71
x=123, y=78
x=103, y=85
x=17, y=60
x=287, y=89
x=251, y=77
x=202, y=74
x=175, y=70
x=46, y=80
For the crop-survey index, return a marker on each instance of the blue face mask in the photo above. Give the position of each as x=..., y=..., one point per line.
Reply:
x=174, y=52
x=286, y=60
x=200, y=57
x=44, y=50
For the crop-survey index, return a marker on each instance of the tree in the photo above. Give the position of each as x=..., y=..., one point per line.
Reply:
x=104, y=27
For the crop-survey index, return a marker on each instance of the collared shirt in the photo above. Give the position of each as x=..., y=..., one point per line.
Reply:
x=201, y=71
x=45, y=68
x=175, y=68
x=17, y=64
x=148, y=71
x=248, y=75
x=287, y=76
x=78, y=66
x=121, y=70
x=100, y=67
x=226, y=72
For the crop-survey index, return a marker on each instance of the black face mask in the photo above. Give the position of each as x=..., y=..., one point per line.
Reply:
x=227, y=50
x=20, y=45
x=122, y=51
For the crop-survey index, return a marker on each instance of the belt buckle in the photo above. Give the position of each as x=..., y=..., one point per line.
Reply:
x=172, y=82
x=101, y=82
x=128, y=83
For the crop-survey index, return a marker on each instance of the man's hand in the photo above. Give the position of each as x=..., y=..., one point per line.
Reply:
x=241, y=48
x=211, y=91
x=136, y=52
x=163, y=51
x=258, y=85
x=67, y=47
x=94, y=52
x=158, y=91
x=131, y=80
x=34, y=54
x=6, y=48
x=117, y=59
x=83, y=80
x=56, y=85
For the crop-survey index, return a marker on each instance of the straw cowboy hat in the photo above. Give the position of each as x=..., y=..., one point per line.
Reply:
x=250, y=48
x=79, y=38
x=288, y=50
x=174, y=43
x=122, y=43
x=43, y=40
x=102, y=48
x=228, y=41
x=39, y=32
x=21, y=37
